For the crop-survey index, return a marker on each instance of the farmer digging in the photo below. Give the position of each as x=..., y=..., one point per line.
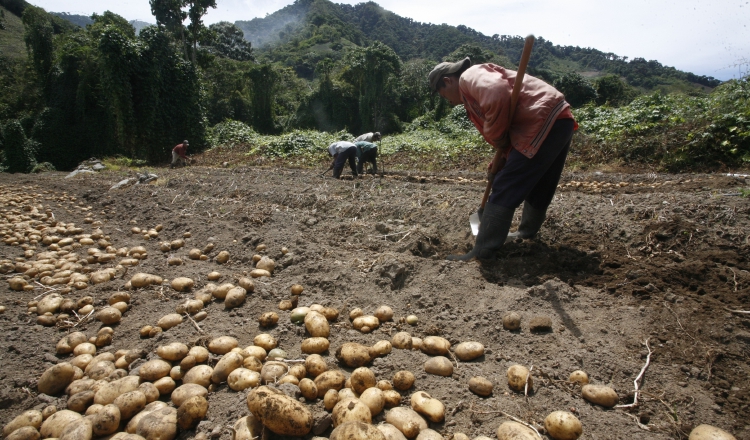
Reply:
x=178, y=155
x=534, y=144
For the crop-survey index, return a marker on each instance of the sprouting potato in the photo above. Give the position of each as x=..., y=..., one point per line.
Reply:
x=517, y=375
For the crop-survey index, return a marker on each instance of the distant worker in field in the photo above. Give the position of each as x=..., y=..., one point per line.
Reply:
x=367, y=152
x=342, y=152
x=369, y=137
x=178, y=155
x=535, y=144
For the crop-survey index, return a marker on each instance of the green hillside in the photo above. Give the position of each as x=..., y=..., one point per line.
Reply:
x=11, y=36
x=295, y=35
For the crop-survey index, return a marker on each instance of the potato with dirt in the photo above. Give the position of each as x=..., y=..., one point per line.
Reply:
x=350, y=410
x=280, y=413
x=432, y=409
x=329, y=380
x=562, y=425
x=53, y=426
x=353, y=355
x=31, y=418
x=355, y=430
x=191, y=412
x=248, y=428
x=56, y=378
x=158, y=425
x=515, y=431
x=708, y=432
x=518, y=376
x=600, y=395
x=406, y=420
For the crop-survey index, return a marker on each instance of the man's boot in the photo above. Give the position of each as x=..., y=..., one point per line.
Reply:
x=531, y=222
x=493, y=230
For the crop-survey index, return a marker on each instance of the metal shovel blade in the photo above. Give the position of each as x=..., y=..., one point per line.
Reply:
x=474, y=222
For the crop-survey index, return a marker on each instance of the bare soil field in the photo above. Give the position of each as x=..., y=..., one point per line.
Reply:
x=635, y=272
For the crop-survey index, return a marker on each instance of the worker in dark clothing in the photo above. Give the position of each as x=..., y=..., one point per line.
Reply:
x=368, y=152
x=342, y=152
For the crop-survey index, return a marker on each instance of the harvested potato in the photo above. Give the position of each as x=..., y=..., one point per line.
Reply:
x=256, y=352
x=317, y=325
x=381, y=348
x=69, y=342
x=154, y=370
x=515, y=431
x=53, y=426
x=247, y=284
x=366, y=321
x=439, y=365
x=401, y=340
x=297, y=289
x=24, y=433
x=84, y=348
x=130, y=403
x=277, y=354
x=168, y=321
x=200, y=375
x=350, y=410
x=268, y=319
x=265, y=341
x=517, y=376
x=708, y=432
x=429, y=434
x=257, y=273
x=235, y=298
x=222, y=257
x=373, y=398
x=329, y=380
x=468, y=351
x=412, y=320
x=403, y=380
x=361, y=379
x=185, y=391
x=228, y=363
x=80, y=401
x=562, y=425
x=272, y=371
x=248, y=428
x=280, y=413
x=580, y=377
x=308, y=389
x=429, y=407
x=384, y=313
x=512, y=321
x=315, y=365
x=330, y=399
x=145, y=280
x=481, y=386
x=149, y=390
x=222, y=291
x=183, y=284
x=191, y=412
x=31, y=418
x=355, y=430
x=159, y=424
x=406, y=420
x=222, y=345
x=353, y=354
x=600, y=395
x=435, y=346
x=56, y=378
x=199, y=353
x=174, y=351
x=392, y=433
x=315, y=345
x=266, y=263
x=298, y=315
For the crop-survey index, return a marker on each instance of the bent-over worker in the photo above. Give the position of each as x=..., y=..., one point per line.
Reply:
x=343, y=151
x=178, y=154
x=369, y=137
x=368, y=152
x=535, y=144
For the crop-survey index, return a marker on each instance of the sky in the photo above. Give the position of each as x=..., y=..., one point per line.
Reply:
x=705, y=37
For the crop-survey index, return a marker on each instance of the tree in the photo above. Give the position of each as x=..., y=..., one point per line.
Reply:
x=227, y=40
x=38, y=37
x=373, y=71
x=611, y=90
x=19, y=150
x=264, y=80
x=169, y=13
x=197, y=9
x=577, y=90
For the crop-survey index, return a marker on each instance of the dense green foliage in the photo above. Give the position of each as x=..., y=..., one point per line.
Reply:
x=675, y=131
x=19, y=150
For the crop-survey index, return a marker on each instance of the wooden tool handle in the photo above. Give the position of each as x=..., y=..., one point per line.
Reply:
x=499, y=160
